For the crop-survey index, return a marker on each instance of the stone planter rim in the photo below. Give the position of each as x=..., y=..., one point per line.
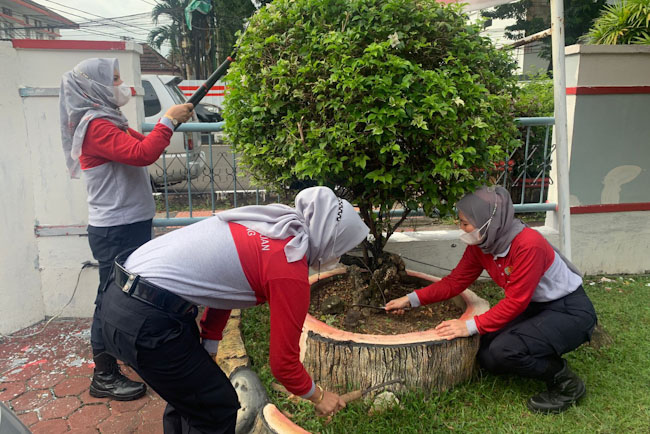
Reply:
x=475, y=306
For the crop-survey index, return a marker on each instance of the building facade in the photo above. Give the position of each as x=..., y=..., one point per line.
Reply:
x=25, y=19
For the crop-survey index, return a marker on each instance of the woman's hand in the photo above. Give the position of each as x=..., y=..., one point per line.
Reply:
x=181, y=112
x=451, y=329
x=329, y=404
x=397, y=306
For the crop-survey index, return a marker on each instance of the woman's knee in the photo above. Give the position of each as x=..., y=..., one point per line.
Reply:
x=500, y=354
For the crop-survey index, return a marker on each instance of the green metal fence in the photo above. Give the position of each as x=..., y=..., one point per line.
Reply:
x=210, y=174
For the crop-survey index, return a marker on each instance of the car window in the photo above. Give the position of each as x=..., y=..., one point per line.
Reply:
x=177, y=95
x=151, y=101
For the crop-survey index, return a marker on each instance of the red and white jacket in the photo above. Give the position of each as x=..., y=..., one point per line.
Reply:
x=113, y=164
x=529, y=270
x=233, y=267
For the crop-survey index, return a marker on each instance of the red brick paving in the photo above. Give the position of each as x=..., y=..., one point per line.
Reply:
x=54, y=426
x=29, y=418
x=33, y=399
x=11, y=389
x=59, y=408
x=120, y=423
x=89, y=416
x=72, y=386
x=44, y=379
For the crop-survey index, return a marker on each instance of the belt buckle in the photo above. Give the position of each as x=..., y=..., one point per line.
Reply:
x=129, y=284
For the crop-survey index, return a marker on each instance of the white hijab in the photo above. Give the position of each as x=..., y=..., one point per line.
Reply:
x=87, y=92
x=323, y=226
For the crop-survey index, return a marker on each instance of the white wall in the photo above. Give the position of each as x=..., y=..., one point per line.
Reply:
x=21, y=303
x=40, y=263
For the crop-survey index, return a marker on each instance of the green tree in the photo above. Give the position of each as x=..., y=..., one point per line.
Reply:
x=175, y=33
x=578, y=16
x=393, y=103
x=211, y=38
x=624, y=22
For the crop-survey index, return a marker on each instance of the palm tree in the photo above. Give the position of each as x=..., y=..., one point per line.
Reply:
x=212, y=36
x=169, y=33
x=176, y=33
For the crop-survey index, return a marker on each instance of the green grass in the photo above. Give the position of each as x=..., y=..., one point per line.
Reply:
x=617, y=378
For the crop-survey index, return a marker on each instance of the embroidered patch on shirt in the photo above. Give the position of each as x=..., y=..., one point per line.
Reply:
x=508, y=270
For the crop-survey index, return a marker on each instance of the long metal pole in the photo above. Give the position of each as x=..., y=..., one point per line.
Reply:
x=562, y=149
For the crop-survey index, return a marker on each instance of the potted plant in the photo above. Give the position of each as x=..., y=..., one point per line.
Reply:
x=398, y=105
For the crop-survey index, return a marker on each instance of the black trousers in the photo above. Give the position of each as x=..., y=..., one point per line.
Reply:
x=106, y=243
x=539, y=336
x=165, y=350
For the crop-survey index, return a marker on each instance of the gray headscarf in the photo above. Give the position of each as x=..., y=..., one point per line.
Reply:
x=87, y=93
x=323, y=225
x=479, y=207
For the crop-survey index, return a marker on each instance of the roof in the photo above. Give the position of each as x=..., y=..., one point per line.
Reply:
x=152, y=62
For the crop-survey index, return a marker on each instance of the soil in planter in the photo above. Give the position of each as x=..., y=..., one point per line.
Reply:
x=332, y=302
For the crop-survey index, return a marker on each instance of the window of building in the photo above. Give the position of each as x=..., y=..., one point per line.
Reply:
x=7, y=11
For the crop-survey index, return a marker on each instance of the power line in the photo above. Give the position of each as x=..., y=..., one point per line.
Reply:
x=89, y=13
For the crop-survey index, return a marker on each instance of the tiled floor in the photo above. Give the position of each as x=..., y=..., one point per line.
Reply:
x=44, y=379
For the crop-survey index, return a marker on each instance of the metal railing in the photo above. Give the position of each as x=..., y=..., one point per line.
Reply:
x=526, y=173
x=210, y=174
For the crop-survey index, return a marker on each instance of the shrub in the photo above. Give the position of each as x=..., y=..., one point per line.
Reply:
x=390, y=102
x=535, y=98
x=624, y=22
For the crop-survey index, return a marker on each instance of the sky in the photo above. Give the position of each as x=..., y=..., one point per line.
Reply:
x=106, y=19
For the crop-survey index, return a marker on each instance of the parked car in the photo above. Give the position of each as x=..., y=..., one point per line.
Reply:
x=160, y=93
x=207, y=112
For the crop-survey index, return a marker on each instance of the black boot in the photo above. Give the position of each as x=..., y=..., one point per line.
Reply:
x=109, y=382
x=564, y=389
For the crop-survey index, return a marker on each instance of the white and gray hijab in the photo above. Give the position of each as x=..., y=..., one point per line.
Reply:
x=323, y=226
x=87, y=93
x=495, y=203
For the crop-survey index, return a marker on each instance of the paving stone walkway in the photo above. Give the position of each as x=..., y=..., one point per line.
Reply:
x=44, y=379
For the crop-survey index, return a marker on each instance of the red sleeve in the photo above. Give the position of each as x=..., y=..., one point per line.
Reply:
x=465, y=273
x=528, y=268
x=289, y=302
x=105, y=142
x=136, y=134
x=213, y=322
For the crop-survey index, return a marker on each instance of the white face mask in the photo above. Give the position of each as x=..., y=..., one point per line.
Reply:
x=475, y=237
x=122, y=94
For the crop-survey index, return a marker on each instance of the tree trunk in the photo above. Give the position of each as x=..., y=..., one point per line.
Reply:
x=343, y=361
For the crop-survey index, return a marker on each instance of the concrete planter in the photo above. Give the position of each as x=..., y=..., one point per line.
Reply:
x=338, y=359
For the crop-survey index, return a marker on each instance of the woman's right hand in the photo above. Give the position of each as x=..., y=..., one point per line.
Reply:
x=397, y=306
x=329, y=405
x=181, y=112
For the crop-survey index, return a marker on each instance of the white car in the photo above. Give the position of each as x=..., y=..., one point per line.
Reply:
x=160, y=93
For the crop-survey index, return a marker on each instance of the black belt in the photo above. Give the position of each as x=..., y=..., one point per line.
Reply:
x=140, y=289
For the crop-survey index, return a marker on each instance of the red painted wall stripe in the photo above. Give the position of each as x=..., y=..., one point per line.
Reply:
x=207, y=94
x=607, y=90
x=185, y=87
x=69, y=45
x=611, y=207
